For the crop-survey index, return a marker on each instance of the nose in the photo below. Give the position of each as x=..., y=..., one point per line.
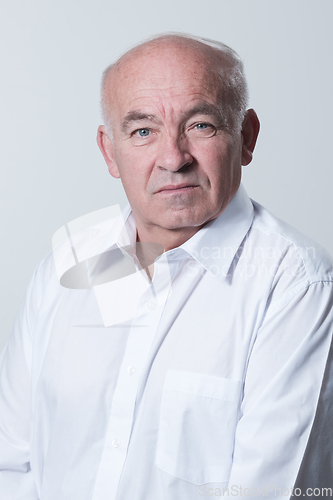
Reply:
x=173, y=154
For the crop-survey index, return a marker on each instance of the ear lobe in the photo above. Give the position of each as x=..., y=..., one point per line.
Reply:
x=250, y=131
x=105, y=145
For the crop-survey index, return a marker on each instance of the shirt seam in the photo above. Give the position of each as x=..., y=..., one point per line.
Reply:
x=277, y=231
x=291, y=294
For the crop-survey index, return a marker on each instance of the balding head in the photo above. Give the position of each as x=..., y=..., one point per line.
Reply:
x=219, y=61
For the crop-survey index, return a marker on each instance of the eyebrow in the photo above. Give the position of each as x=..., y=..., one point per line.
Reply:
x=203, y=109
x=135, y=116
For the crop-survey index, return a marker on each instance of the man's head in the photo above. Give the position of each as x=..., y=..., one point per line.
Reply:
x=176, y=107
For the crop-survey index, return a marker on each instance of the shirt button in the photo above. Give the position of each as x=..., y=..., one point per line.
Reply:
x=151, y=305
x=115, y=443
x=131, y=369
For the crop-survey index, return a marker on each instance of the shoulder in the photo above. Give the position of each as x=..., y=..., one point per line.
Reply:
x=290, y=245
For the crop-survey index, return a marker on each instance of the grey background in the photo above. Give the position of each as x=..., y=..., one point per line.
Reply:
x=52, y=56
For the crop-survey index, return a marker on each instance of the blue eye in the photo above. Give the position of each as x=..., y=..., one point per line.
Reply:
x=202, y=130
x=143, y=132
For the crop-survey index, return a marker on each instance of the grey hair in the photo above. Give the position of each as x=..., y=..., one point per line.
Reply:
x=233, y=98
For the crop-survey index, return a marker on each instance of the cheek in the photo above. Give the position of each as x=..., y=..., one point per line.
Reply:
x=216, y=162
x=134, y=167
x=222, y=167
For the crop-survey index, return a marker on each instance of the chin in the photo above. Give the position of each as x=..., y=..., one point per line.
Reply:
x=181, y=220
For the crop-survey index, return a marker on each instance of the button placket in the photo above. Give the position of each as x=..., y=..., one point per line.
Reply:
x=123, y=404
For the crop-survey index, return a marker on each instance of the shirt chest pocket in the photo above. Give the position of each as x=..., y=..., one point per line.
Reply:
x=198, y=418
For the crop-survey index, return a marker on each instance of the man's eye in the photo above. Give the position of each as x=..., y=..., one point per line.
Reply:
x=202, y=126
x=142, y=132
x=202, y=129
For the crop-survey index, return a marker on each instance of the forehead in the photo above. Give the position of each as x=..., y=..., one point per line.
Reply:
x=163, y=73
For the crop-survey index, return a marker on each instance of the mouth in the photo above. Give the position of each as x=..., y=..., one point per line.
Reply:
x=177, y=189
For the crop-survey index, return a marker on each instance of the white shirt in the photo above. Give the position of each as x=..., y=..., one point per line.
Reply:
x=212, y=383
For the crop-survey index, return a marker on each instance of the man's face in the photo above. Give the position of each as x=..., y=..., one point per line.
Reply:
x=178, y=164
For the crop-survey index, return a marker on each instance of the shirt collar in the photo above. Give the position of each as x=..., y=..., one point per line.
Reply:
x=216, y=244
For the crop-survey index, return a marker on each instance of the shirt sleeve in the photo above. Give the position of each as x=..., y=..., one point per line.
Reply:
x=282, y=391
x=16, y=475
x=316, y=470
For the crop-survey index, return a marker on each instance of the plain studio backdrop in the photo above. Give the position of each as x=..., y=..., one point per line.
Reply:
x=52, y=57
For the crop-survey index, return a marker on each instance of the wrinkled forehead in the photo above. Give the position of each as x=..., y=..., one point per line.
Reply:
x=169, y=67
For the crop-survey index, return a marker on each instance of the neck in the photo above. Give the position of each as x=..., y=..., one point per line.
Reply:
x=153, y=241
x=167, y=238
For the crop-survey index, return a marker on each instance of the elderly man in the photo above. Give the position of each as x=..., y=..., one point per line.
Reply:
x=210, y=385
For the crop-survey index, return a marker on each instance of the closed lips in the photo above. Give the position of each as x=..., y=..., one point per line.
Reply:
x=176, y=187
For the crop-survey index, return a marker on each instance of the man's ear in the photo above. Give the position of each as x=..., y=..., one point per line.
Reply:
x=106, y=147
x=250, y=131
